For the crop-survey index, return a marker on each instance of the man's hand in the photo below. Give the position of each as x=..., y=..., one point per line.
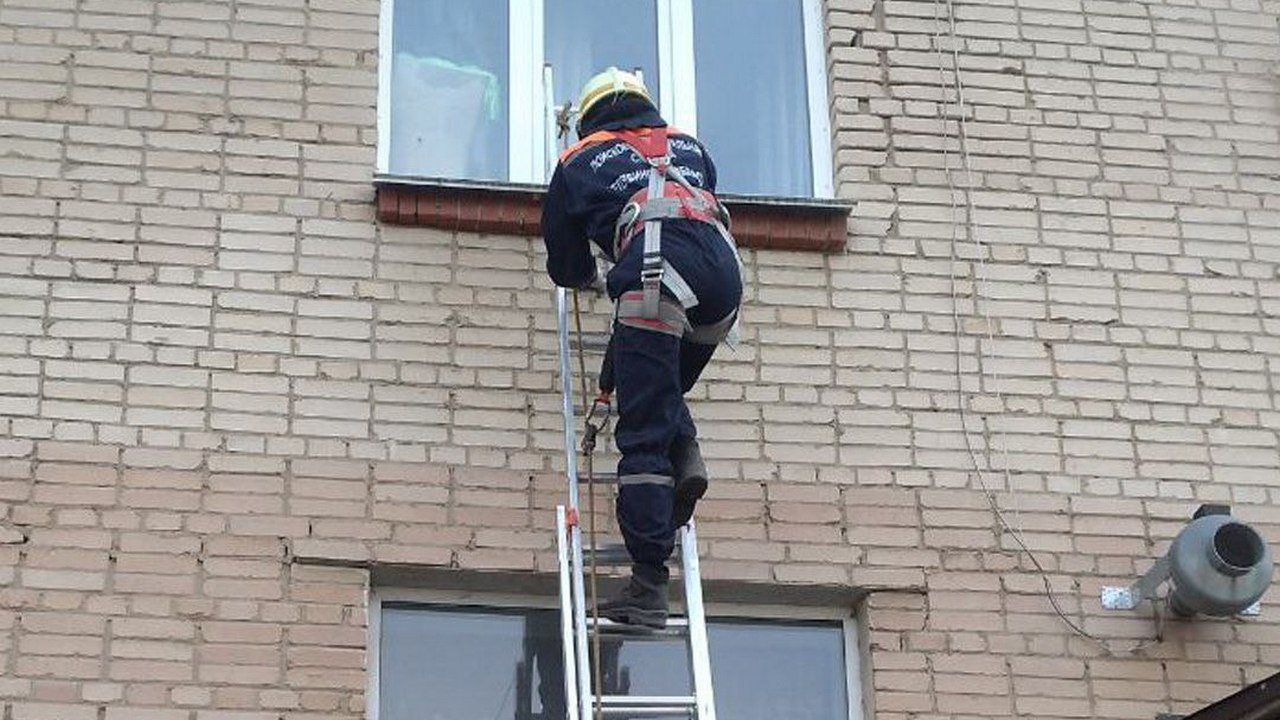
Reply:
x=596, y=283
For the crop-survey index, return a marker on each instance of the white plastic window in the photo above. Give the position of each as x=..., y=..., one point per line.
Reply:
x=761, y=132
x=462, y=97
x=459, y=658
x=583, y=36
x=448, y=83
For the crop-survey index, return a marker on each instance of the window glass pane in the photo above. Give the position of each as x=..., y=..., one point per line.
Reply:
x=764, y=671
x=449, y=89
x=463, y=664
x=753, y=110
x=646, y=667
x=584, y=37
x=440, y=663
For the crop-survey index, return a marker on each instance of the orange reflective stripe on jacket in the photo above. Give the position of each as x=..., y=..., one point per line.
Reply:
x=600, y=136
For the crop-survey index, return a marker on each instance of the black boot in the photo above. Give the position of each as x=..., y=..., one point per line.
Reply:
x=644, y=599
x=691, y=478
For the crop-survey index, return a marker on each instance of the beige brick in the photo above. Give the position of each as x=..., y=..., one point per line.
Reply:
x=50, y=711
x=115, y=713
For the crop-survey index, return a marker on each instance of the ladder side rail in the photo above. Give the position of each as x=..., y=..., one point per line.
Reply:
x=562, y=330
x=575, y=532
x=566, y=617
x=577, y=582
x=699, y=650
x=580, y=624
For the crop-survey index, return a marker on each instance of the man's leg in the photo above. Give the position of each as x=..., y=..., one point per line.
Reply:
x=712, y=270
x=686, y=456
x=693, y=360
x=646, y=367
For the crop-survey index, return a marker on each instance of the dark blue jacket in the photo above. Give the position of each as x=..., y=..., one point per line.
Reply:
x=591, y=185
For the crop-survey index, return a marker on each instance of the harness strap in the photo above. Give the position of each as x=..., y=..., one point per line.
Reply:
x=715, y=333
x=675, y=282
x=648, y=208
x=679, y=202
x=676, y=205
x=670, y=320
x=725, y=329
x=651, y=263
x=628, y=227
x=653, y=146
x=658, y=209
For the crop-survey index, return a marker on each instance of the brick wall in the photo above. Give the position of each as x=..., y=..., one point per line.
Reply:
x=216, y=367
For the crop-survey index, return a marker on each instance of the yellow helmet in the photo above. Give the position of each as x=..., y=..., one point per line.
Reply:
x=611, y=81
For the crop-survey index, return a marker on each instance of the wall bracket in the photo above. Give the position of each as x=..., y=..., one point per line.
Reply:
x=1129, y=598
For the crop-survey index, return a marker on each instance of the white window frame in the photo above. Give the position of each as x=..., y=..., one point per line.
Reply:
x=715, y=611
x=678, y=99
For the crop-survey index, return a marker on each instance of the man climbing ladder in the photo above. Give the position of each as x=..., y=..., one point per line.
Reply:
x=643, y=193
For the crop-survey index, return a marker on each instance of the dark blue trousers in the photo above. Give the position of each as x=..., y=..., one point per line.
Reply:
x=651, y=373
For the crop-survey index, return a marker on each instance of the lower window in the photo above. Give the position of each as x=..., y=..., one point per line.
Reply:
x=440, y=661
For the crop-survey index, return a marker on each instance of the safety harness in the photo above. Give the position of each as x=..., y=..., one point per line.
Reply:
x=644, y=212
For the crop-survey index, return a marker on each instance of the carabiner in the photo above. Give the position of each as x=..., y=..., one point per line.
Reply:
x=596, y=421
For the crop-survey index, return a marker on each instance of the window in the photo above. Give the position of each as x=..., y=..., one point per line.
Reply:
x=450, y=114
x=435, y=660
x=462, y=85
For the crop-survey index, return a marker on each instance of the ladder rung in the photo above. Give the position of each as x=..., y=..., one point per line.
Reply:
x=615, y=554
x=600, y=478
x=678, y=705
x=607, y=554
x=677, y=627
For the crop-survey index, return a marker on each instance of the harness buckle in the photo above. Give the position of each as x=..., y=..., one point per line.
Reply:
x=651, y=300
x=651, y=282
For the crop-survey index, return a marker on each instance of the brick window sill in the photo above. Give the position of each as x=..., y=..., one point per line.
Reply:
x=510, y=209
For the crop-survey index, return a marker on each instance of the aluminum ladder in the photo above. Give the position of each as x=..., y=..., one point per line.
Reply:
x=577, y=627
